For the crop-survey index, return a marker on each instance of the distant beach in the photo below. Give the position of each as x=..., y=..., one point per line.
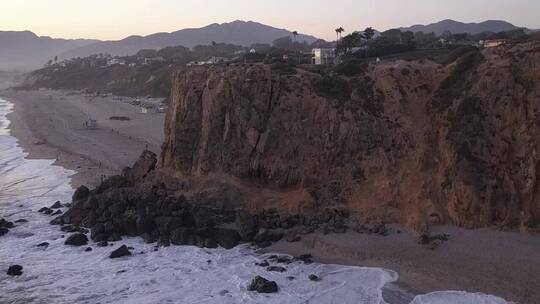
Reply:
x=51, y=125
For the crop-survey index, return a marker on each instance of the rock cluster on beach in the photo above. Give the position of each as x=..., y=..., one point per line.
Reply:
x=5, y=226
x=138, y=203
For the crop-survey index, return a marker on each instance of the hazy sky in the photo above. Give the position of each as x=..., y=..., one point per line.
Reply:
x=115, y=19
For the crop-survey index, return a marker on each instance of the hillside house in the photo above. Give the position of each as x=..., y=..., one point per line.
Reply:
x=494, y=43
x=153, y=59
x=323, y=56
x=115, y=61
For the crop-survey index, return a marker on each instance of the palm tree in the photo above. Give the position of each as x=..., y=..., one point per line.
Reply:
x=339, y=30
x=369, y=33
x=295, y=34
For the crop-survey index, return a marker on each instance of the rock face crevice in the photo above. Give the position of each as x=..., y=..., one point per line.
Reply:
x=411, y=142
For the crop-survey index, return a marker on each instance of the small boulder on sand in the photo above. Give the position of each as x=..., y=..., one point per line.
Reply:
x=314, y=278
x=120, y=252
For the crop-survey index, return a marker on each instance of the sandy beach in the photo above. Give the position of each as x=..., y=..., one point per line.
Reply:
x=50, y=124
x=505, y=264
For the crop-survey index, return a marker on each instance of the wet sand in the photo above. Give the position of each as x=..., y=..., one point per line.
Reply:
x=504, y=264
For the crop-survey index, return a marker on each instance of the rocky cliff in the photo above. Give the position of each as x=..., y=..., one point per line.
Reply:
x=412, y=142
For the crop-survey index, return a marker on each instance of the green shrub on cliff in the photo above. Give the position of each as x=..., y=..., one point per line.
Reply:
x=351, y=67
x=332, y=86
x=456, y=54
x=458, y=83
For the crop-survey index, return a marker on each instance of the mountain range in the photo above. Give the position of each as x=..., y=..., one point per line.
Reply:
x=27, y=51
x=238, y=32
x=456, y=27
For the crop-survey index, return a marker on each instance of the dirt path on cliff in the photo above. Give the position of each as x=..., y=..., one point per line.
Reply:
x=50, y=125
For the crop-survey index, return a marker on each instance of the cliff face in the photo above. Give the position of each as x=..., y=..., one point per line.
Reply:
x=410, y=142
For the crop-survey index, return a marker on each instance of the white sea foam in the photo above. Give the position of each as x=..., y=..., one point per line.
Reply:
x=177, y=274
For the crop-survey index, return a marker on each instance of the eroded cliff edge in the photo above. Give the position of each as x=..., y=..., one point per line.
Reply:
x=410, y=142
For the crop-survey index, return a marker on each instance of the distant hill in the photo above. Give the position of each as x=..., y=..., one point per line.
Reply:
x=26, y=51
x=452, y=26
x=238, y=32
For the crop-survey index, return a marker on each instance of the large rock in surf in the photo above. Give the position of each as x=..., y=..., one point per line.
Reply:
x=15, y=270
x=77, y=239
x=262, y=285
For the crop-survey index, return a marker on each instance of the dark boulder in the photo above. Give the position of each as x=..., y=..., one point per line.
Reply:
x=57, y=212
x=88, y=249
x=292, y=237
x=81, y=193
x=114, y=237
x=262, y=285
x=262, y=264
x=60, y=220
x=265, y=235
x=21, y=221
x=3, y=231
x=77, y=239
x=97, y=232
x=166, y=224
x=45, y=210
x=276, y=269
x=181, y=236
x=246, y=224
x=90, y=203
x=71, y=228
x=210, y=243
x=44, y=244
x=120, y=252
x=146, y=163
x=314, y=278
x=227, y=238
x=15, y=270
x=102, y=244
x=57, y=205
x=203, y=217
x=283, y=260
x=6, y=224
x=306, y=258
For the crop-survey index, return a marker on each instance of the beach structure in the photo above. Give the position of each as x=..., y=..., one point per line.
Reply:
x=322, y=56
x=153, y=59
x=91, y=124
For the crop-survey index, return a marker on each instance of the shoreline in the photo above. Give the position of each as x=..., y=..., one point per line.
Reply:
x=50, y=125
x=472, y=260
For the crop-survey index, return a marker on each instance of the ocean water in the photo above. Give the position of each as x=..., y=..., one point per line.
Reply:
x=176, y=274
